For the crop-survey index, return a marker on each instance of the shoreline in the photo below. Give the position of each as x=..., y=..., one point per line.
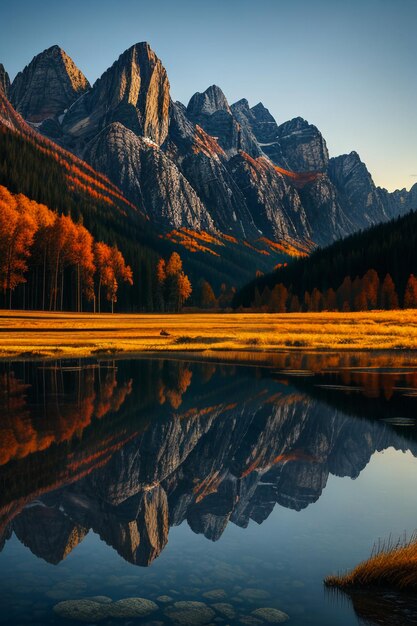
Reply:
x=29, y=335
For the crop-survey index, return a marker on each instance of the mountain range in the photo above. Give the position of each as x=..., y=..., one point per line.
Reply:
x=209, y=176
x=208, y=165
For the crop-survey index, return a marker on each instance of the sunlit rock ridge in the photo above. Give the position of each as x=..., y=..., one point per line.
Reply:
x=210, y=165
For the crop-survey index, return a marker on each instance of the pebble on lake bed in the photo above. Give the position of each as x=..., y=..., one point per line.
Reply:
x=164, y=599
x=100, y=607
x=190, y=613
x=270, y=615
x=215, y=594
x=224, y=609
x=82, y=610
x=254, y=594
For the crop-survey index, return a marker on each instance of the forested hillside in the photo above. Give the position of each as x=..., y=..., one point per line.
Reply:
x=367, y=270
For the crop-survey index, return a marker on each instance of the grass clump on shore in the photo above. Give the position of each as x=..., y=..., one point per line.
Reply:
x=392, y=565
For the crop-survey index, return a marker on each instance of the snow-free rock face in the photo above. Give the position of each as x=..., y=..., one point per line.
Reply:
x=148, y=177
x=400, y=201
x=4, y=80
x=360, y=199
x=47, y=86
x=204, y=164
x=264, y=124
x=326, y=215
x=210, y=101
x=303, y=146
x=212, y=112
x=275, y=205
x=133, y=91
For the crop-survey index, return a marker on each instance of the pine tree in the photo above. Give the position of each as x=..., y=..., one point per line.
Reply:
x=410, y=294
x=207, y=297
x=388, y=294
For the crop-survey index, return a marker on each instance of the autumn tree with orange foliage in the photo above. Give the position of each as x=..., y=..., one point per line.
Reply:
x=17, y=230
x=361, y=294
x=58, y=255
x=174, y=286
x=207, y=297
x=111, y=271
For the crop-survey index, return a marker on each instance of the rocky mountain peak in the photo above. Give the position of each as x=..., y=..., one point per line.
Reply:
x=47, y=86
x=208, y=102
x=303, y=145
x=265, y=127
x=133, y=91
x=4, y=80
x=361, y=200
x=242, y=105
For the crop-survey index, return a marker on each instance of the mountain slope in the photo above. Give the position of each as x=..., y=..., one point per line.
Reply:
x=388, y=248
x=43, y=171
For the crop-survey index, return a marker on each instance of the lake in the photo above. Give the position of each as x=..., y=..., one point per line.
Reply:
x=215, y=493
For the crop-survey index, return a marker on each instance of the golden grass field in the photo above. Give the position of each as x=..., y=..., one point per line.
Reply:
x=57, y=335
x=393, y=567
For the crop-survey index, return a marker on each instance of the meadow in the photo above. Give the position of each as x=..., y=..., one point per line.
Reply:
x=59, y=335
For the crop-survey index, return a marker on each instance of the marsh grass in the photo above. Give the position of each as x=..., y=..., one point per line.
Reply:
x=85, y=334
x=392, y=565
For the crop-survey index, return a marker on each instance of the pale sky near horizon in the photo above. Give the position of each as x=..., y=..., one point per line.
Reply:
x=349, y=67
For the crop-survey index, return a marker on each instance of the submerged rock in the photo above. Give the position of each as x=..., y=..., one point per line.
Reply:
x=101, y=607
x=224, y=609
x=187, y=612
x=215, y=594
x=254, y=594
x=132, y=607
x=270, y=615
x=82, y=610
x=164, y=599
x=101, y=599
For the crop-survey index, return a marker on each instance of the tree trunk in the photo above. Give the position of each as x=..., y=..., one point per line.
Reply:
x=62, y=290
x=99, y=295
x=44, y=281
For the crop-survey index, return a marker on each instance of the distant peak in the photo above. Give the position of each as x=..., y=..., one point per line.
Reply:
x=4, y=80
x=261, y=113
x=208, y=102
x=48, y=85
x=54, y=48
x=259, y=106
x=241, y=104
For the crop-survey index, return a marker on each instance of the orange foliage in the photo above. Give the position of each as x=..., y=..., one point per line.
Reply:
x=30, y=232
x=206, y=143
x=299, y=179
x=22, y=432
x=17, y=230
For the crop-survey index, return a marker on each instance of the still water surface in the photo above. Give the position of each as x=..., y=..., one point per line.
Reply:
x=239, y=487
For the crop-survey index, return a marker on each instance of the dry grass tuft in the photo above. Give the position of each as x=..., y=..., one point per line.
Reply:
x=391, y=565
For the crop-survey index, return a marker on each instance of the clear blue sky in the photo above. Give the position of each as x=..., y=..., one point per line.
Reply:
x=348, y=66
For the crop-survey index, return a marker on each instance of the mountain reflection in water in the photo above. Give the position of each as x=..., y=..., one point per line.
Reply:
x=129, y=449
